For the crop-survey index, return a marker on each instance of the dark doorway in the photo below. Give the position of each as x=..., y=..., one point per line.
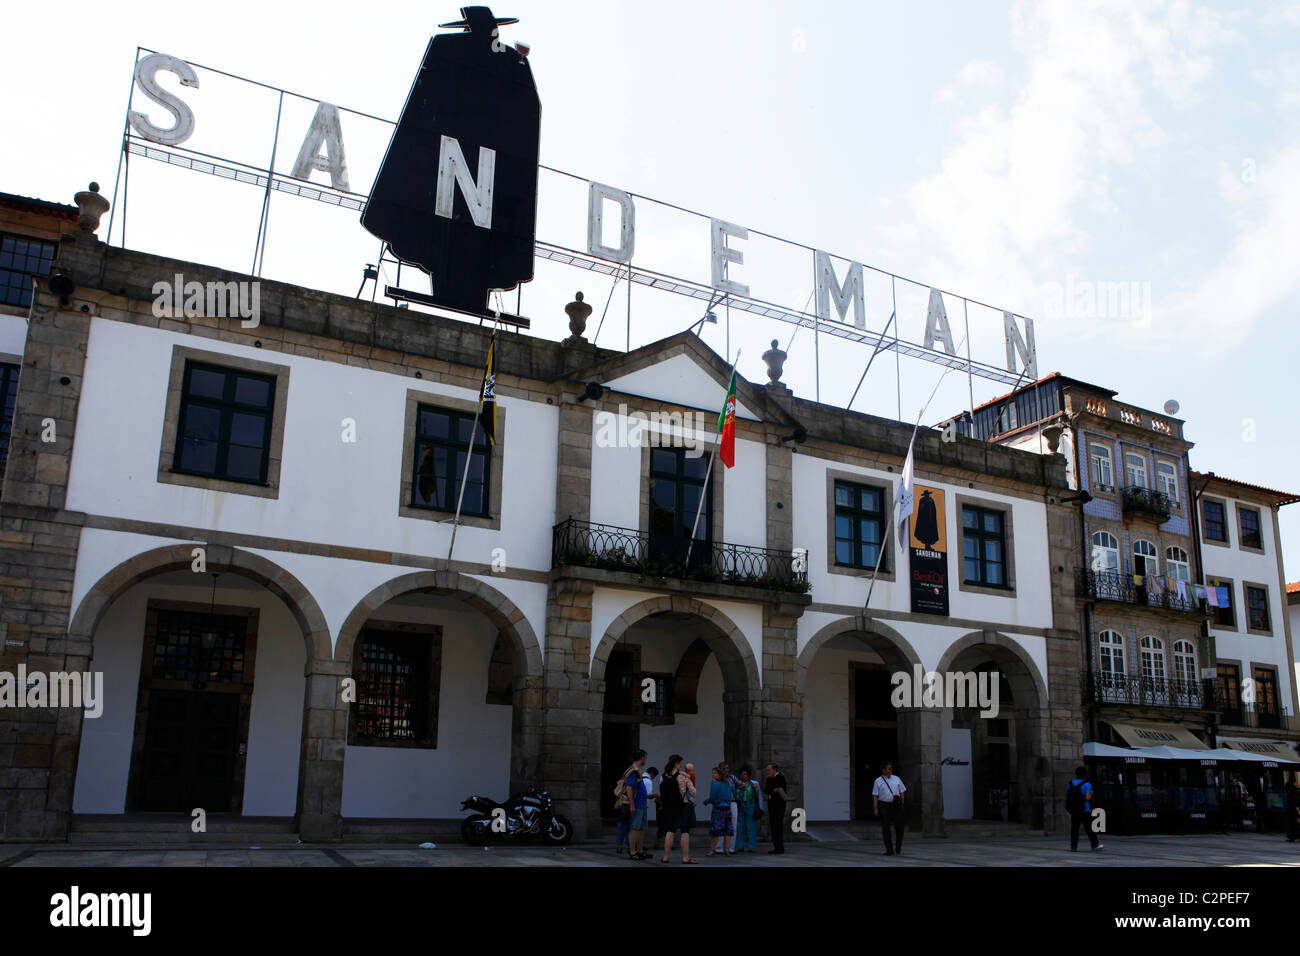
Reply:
x=620, y=729
x=196, y=687
x=676, y=484
x=190, y=748
x=874, y=739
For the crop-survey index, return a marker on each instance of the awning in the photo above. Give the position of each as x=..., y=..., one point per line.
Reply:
x=1157, y=735
x=1106, y=750
x=1274, y=750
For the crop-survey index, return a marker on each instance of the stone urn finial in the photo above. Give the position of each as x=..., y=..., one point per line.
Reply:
x=92, y=206
x=775, y=359
x=1053, y=435
x=578, y=312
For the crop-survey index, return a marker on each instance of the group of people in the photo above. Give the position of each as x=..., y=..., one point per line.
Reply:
x=736, y=803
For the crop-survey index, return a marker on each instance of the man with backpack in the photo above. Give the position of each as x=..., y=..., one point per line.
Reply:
x=630, y=791
x=1078, y=803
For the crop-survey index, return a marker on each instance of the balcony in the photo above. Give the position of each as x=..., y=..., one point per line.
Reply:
x=1235, y=714
x=592, y=545
x=1105, y=688
x=1114, y=586
x=1149, y=503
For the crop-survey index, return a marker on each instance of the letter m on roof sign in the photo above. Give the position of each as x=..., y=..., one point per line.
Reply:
x=1022, y=345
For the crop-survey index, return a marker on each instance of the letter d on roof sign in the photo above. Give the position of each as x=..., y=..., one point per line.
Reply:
x=1024, y=346
x=596, y=196
x=146, y=72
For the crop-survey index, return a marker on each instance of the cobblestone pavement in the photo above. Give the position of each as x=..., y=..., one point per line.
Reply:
x=1242, y=849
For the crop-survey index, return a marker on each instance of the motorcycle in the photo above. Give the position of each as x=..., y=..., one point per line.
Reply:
x=525, y=816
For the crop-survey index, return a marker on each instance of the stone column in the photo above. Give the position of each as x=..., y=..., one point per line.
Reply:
x=780, y=737
x=1063, y=730
x=919, y=756
x=324, y=742
x=572, y=707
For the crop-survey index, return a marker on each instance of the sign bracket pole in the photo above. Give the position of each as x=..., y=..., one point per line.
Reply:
x=704, y=491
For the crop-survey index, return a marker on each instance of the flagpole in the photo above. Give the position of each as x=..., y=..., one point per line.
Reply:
x=690, y=545
x=469, y=450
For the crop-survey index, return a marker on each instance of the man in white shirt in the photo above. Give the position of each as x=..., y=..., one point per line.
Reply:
x=887, y=802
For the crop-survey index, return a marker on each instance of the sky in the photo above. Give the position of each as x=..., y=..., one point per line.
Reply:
x=1126, y=174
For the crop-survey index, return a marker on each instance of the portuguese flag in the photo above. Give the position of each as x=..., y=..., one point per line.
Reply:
x=727, y=426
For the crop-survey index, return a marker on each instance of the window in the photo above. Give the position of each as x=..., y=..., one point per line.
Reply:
x=1224, y=615
x=1153, y=659
x=662, y=705
x=1249, y=521
x=1229, y=691
x=1266, y=703
x=225, y=423
x=1216, y=528
x=1136, y=469
x=398, y=674
x=1144, y=558
x=8, y=397
x=442, y=437
x=21, y=259
x=859, y=525
x=984, y=546
x=1110, y=654
x=1185, y=662
x=1010, y=421
x=197, y=647
x=1257, y=608
x=1167, y=479
x=1102, y=471
x=677, y=482
x=1105, y=552
x=1176, y=564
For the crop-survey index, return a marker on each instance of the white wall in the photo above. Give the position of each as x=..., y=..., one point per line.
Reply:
x=330, y=491
x=473, y=751
x=826, y=790
x=275, y=723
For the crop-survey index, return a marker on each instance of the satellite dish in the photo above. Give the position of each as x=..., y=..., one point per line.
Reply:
x=1171, y=407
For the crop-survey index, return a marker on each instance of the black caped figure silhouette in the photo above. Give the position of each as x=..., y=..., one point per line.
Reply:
x=472, y=93
x=927, y=521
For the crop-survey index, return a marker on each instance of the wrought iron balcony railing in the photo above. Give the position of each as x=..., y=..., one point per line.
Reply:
x=1236, y=714
x=1115, y=586
x=593, y=545
x=1103, y=687
x=1148, y=501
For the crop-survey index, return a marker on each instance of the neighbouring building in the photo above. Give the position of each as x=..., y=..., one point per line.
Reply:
x=1163, y=596
x=232, y=522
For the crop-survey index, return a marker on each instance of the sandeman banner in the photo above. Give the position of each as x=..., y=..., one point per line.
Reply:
x=928, y=544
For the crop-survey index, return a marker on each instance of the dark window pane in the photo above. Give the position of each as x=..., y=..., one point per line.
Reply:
x=969, y=518
x=434, y=424
x=992, y=521
x=843, y=551
x=200, y=456
x=202, y=422
x=843, y=527
x=244, y=463
x=205, y=383
x=843, y=496
x=252, y=391
x=972, y=569
x=247, y=429
x=663, y=461
x=695, y=467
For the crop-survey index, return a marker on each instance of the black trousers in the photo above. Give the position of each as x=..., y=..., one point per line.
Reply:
x=776, y=823
x=1081, y=820
x=891, y=817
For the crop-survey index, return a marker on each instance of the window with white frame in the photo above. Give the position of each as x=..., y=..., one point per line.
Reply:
x=1105, y=552
x=1153, y=658
x=1176, y=564
x=1167, y=478
x=1102, y=471
x=1144, y=558
x=1185, y=661
x=1110, y=653
x=1136, y=469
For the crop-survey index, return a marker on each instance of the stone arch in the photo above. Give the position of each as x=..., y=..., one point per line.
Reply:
x=1030, y=787
x=889, y=643
x=686, y=679
x=498, y=608
x=176, y=557
x=736, y=657
x=318, y=726
x=526, y=697
x=1005, y=648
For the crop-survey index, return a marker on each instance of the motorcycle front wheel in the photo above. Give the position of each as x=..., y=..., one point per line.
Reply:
x=476, y=830
x=559, y=832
